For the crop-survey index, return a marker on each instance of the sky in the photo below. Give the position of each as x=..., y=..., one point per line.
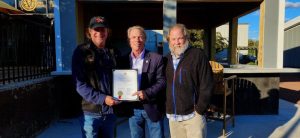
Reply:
x=292, y=10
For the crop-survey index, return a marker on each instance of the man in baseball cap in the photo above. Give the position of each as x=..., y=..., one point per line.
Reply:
x=92, y=64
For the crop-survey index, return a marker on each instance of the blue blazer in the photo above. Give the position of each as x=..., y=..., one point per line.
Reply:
x=153, y=82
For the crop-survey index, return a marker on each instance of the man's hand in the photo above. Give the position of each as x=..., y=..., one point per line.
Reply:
x=110, y=101
x=140, y=94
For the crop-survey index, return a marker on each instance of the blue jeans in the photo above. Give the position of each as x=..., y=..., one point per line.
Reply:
x=97, y=126
x=137, y=125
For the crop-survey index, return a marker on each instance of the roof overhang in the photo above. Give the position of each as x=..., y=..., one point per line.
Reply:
x=7, y=9
x=149, y=13
x=213, y=13
x=195, y=14
x=292, y=23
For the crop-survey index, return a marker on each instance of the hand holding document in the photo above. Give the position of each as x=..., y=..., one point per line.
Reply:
x=110, y=101
x=125, y=84
x=140, y=95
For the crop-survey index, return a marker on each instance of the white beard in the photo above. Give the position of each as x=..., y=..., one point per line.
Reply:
x=178, y=51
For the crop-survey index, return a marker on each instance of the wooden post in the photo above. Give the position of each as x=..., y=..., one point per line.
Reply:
x=260, y=49
x=233, y=28
x=210, y=42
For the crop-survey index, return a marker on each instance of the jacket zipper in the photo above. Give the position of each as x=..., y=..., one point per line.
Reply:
x=173, y=94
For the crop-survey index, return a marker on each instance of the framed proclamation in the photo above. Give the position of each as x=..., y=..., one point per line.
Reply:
x=125, y=83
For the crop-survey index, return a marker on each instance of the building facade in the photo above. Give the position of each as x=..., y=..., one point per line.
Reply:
x=292, y=43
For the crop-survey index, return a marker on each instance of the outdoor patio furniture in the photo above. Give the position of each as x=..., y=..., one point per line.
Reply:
x=222, y=106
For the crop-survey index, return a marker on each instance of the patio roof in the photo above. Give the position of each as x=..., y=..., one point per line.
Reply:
x=213, y=13
x=149, y=13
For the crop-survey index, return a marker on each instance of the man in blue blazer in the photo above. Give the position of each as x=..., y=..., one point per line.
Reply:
x=149, y=110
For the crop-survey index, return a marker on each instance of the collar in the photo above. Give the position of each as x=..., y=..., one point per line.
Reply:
x=142, y=55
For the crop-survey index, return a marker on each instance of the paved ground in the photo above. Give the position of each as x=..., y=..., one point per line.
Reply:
x=286, y=122
x=290, y=87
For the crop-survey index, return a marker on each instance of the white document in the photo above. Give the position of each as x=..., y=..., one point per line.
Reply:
x=125, y=83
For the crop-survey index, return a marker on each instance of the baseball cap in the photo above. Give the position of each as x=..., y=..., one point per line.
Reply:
x=98, y=21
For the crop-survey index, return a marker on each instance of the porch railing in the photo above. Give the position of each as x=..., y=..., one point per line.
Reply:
x=26, y=48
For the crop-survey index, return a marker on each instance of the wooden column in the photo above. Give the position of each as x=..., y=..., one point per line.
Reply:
x=233, y=29
x=273, y=33
x=210, y=42
x=260, y=48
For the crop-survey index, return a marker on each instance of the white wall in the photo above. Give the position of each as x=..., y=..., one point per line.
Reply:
x=242, y=35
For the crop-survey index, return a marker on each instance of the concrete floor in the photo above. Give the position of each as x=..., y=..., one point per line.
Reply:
x=286, y=124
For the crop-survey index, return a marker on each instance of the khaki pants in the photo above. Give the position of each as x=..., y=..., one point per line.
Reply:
x=192, y=128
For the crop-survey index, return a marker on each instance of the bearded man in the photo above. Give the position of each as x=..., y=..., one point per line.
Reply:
x=189, y=86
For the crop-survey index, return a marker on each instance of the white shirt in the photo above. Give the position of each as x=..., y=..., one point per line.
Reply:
x=137, y=63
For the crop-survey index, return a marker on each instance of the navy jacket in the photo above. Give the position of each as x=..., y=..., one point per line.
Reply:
x=153, y=82
x=92, y=74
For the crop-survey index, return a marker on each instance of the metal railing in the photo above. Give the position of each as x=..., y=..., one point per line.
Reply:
x=26, y=48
